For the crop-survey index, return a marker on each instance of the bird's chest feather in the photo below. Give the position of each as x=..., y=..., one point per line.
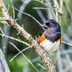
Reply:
x=49, y=46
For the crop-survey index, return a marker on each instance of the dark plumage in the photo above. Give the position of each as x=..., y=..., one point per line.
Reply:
x=52, y=30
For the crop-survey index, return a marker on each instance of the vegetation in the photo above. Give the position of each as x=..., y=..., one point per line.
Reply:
x=31, y=15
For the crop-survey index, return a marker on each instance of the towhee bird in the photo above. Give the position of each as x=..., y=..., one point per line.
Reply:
x=51, y=38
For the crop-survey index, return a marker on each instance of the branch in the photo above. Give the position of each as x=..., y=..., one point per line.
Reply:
x=9, y=21
x=39, y=50
x=4, y=10
x=23, y=56
x=3, y=64
x=6, y=29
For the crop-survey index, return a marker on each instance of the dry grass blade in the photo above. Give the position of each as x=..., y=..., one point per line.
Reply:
x=23, y=56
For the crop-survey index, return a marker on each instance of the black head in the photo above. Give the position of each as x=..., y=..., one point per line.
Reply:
x=51, y=23
x=52, y=30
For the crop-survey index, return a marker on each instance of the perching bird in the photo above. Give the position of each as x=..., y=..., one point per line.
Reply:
x=51, y=38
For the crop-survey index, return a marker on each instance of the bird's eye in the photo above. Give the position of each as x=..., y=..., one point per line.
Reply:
x=49, y=24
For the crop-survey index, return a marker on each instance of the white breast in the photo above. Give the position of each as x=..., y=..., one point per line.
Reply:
x=49, y=46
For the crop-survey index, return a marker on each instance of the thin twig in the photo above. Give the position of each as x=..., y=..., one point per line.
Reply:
x=31, y=17
x=39, y=50
x=47, y=6
x=15, y=39
x=38, y=64
x=23, y=56
x=6, y=29
x=20, y=52
x=42, y=53
x=67, y=43
x=4, y=10
x=4, y=67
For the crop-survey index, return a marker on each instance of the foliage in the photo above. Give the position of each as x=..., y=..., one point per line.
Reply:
x=41, y=10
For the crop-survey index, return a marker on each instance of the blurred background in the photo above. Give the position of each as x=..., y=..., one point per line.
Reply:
x=31, y=14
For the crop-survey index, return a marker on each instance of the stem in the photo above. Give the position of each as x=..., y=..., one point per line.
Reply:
x=41, y=52
x=3, y=64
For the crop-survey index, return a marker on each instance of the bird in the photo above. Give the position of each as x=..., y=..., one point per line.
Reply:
x=50, y=39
